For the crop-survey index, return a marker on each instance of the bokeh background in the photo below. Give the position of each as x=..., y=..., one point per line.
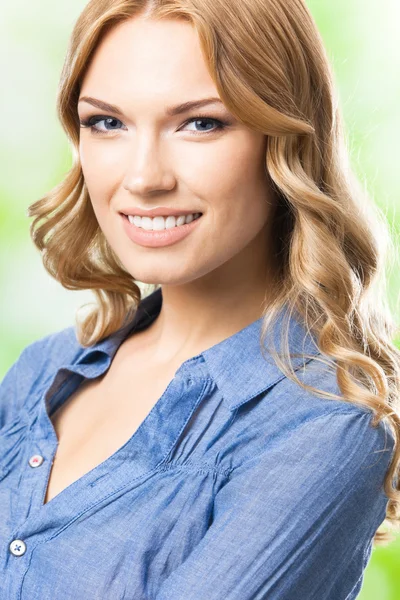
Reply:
x=361, y=37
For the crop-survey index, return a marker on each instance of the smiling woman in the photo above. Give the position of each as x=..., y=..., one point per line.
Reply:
x=151, y=150
x=155, y=451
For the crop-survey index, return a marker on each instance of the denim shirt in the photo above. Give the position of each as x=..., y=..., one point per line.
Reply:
x=238, y=484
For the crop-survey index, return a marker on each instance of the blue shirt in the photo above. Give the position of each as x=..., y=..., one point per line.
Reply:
x=238, y=485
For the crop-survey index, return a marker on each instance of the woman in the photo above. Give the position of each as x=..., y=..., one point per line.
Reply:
x=162, y=449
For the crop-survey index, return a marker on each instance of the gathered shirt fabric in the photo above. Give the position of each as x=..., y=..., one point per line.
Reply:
x=238, y=484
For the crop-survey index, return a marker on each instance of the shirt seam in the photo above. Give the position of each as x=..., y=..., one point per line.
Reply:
x=194, y=468
x=336, y=411
x=155, y=470
x=362, y=574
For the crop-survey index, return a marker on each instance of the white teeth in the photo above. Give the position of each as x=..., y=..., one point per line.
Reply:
x=160, y=223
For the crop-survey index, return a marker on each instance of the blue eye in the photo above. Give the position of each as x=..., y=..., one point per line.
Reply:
x=92, y=123
x=208, y=120
x=111, y=122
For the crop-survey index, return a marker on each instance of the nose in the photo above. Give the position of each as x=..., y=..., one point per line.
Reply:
x=148, y=171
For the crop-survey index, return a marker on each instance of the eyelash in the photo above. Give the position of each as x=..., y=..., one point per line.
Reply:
x=90, y=123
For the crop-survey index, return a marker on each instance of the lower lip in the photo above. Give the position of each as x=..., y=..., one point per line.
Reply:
x=156, y=239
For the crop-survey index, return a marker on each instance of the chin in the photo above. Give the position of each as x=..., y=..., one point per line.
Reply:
x=159, y=276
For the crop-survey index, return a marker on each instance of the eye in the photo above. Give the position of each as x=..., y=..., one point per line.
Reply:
x=208, y=121
x=92, y=123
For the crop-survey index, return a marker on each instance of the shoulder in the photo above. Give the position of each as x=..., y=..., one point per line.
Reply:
x=50, y=350
x=60, y=346
x=321, y=398
x=314, y=429
x=35, y=365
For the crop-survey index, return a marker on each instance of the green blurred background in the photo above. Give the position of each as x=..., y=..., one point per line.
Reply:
x=362, y=41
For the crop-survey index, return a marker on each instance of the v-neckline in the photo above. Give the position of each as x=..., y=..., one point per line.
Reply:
x=142, y=454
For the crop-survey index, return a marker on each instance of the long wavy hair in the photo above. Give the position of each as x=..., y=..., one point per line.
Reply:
x=332, y=244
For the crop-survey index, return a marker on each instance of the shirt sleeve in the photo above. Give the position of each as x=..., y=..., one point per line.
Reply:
x=295, y=521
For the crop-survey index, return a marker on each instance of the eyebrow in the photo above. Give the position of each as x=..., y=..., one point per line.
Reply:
x=171, y=111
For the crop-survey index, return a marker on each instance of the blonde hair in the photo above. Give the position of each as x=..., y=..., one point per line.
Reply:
x=271, y=70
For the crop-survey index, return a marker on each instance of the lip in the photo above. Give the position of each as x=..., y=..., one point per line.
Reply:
x=157, y=239
x=161, y=211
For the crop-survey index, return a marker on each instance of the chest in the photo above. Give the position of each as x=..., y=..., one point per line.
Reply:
x=98, y=419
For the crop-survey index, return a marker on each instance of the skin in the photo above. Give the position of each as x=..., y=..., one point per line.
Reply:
x=215, y=281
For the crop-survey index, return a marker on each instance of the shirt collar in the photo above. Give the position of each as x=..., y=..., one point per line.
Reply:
x=236, y=364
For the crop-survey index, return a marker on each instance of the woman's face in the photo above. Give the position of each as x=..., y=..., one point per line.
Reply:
x=143, y=157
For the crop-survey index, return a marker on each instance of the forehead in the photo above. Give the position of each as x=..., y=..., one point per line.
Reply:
x=146, y=59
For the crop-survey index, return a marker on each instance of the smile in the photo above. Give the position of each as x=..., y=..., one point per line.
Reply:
x=160, y=223
x=159, y=231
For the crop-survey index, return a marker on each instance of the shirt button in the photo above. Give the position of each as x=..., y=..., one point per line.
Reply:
x=17, y=547
x=36, y=460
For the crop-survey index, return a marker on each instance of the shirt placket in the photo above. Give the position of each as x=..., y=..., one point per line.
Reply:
x=135, y=461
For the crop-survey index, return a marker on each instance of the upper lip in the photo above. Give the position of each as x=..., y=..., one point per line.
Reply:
x=162, y=211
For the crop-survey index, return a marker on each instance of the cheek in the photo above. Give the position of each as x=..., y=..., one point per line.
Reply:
x=99, y=163
x=234, y=186
x=100, y=175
